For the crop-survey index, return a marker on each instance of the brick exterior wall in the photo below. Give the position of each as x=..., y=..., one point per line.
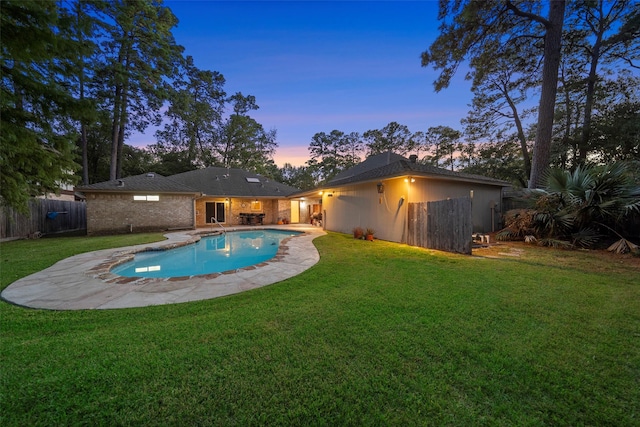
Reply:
x=119, y=213
x=284, y=210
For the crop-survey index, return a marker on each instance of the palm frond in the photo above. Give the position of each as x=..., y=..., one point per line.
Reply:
x=622, y=246
x=573, y=202
x=586, y=237
x=518, y=223
x=633, y=202
x=557, y=243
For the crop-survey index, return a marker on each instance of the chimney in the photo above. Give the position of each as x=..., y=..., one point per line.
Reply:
x=413, y=158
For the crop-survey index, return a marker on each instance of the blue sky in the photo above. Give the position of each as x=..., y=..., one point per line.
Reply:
x=319, y=66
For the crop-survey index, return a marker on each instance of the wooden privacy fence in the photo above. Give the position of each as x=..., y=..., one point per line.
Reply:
x=45, y=216
x=444, y=225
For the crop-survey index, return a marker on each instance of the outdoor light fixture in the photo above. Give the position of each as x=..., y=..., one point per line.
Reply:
x=380, y=188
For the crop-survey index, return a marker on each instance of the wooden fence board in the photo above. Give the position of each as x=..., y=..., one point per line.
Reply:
x=444, y=225
x=45, y=216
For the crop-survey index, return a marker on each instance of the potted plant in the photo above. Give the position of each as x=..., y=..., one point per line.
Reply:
x=369, y=232
x=358, y=232
x=316, y=219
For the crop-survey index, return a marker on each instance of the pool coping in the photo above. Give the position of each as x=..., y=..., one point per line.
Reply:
x=85, y=281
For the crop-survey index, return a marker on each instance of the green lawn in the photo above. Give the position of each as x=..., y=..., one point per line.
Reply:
x=374, y=334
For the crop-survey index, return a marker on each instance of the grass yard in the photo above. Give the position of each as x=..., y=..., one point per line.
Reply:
x=374, y=334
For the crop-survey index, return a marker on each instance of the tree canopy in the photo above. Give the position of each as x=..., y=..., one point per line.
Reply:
x=36, y=150
x=78, y=77
x=516, y=49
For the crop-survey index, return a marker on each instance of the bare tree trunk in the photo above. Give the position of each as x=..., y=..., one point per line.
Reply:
x=85, y=154
x=521, y=136
x=120, y=147
x=115, y=129
x=83, y=138
x=544, y=132
x=583, y=146
x=566, y=139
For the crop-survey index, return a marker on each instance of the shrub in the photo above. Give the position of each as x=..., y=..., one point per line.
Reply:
x=578, y=208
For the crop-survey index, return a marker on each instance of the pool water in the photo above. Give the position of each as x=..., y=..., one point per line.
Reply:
x=213, y=254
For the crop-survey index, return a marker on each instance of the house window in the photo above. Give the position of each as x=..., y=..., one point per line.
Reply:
x=215, y=212
x=256, y=206
x=147, y=198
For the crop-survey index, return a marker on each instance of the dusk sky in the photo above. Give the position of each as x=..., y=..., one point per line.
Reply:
x=319, y=66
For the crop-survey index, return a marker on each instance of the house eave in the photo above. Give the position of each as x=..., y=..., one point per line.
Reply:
x=135, y=191
x=433, y=177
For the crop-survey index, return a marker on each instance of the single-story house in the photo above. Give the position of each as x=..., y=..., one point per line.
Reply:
x=235, y=197
x=203, y=197
x=376, y=194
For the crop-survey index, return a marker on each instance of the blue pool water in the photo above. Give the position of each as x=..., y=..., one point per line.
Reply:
x=213, y=254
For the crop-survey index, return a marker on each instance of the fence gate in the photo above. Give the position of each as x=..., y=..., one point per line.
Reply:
x=444, y=225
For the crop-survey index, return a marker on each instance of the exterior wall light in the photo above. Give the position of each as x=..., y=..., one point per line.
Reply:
x=380, y=188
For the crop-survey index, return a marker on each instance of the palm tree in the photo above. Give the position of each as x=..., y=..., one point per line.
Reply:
x=579, y=208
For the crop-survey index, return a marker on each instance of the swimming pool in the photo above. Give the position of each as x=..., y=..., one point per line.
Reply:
x=213, y=254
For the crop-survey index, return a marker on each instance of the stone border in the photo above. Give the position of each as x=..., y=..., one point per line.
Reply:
x=78, y=283
x=103, y=272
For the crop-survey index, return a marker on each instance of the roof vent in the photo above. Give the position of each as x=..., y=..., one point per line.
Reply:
x=251, y=179
x=151, y=175
x=413, y=158
x=120, y=183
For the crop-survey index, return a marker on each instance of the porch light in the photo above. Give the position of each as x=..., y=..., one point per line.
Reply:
x=380, y=188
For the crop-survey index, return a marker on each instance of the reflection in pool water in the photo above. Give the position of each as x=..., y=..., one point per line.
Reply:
x=213, y=254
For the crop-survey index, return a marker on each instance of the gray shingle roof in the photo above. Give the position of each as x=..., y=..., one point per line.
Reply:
x=372, y=162
x=388, y=166
x=147, y=182
x=215, y=181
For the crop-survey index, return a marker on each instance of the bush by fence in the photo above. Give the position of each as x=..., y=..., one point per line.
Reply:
x=45, y=216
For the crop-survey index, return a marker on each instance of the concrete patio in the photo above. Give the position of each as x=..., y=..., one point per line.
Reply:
x=85, y=282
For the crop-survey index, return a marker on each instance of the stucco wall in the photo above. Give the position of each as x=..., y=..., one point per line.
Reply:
x=362, y=205
x=119, y=213
x=483, y=198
